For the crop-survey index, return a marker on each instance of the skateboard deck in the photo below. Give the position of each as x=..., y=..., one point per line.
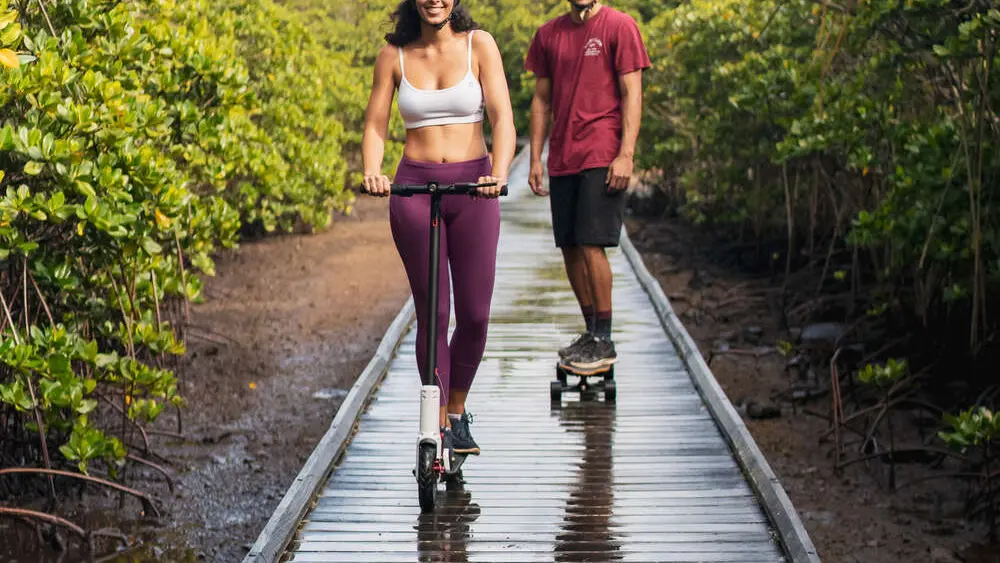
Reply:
x=569, y=368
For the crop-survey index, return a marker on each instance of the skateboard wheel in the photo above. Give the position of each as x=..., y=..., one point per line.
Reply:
x=555, y=391
x=610, y=374
x=561, y=375
x=610, y=391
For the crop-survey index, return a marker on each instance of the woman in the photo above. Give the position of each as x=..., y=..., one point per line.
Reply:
x=446, y=71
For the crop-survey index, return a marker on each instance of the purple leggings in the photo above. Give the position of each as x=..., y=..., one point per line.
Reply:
x=470, y=230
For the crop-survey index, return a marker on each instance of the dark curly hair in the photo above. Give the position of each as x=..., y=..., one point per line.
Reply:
x=408, y=21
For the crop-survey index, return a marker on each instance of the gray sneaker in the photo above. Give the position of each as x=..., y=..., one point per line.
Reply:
x=575, y=347
x=598, y=353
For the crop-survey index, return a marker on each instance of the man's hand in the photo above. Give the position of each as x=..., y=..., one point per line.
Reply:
x=536, y=177
x=619, y=173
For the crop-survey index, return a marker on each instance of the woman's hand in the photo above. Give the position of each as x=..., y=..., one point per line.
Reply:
x=490, y=191
x=376, y=184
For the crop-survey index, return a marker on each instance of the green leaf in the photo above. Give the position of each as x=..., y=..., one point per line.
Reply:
x=7, y=19
x=941, y=50
x=68, y=452
x=33, y=168
x=151, y=246
x=59, y=364
x=9, y=59
x=86, y=406
x=105, y=360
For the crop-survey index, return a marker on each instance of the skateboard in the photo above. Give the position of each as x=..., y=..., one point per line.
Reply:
x=604, y=384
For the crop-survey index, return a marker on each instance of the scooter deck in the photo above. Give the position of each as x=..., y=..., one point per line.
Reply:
x=456, y=468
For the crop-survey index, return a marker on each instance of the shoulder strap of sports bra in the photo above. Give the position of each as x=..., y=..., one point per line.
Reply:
x=470, y=49
x=401, y=71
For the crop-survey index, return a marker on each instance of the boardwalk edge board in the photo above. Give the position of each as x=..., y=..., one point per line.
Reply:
x=792, y=534
x=284, y=521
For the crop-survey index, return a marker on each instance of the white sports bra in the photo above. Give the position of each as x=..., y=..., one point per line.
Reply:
x=461, y=103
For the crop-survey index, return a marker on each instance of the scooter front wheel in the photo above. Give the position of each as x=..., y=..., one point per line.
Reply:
x=426, y=477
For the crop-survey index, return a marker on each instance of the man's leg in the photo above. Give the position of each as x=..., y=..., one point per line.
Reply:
x=598, y=272
x=575, y=259
x=598, y=226
x=563, y=198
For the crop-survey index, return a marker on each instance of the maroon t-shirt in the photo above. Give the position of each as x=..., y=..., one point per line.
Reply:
x=584, y=62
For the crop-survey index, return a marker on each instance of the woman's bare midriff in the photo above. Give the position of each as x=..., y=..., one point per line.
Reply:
x=446, y=143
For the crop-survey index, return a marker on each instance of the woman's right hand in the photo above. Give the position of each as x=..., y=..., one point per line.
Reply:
x=376, y=185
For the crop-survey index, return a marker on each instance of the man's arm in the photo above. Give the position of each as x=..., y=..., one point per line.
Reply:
x=541, y=111
x=620, y=172
x=631, y=89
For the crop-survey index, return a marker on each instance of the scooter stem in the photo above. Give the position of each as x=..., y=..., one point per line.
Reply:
x=430, y=393
x=430, y=373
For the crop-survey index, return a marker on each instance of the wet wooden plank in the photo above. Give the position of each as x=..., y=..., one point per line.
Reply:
x=652, y=478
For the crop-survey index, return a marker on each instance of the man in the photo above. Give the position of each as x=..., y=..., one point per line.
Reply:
x=588, y=64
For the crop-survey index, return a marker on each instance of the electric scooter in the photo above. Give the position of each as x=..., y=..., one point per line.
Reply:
x=434, y=464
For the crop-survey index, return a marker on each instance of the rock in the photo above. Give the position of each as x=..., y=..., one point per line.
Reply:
x=757, y=411
x=327, y=394
x=942, y=555
x=822, y=333
x=822, y=516
x=752, y=333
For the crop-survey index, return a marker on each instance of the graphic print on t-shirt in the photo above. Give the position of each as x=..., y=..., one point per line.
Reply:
x=593, y=47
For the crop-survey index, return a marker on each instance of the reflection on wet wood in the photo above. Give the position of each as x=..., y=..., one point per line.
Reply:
x=650, y=478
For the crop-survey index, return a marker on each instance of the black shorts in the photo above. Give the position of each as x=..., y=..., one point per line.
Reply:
x=584, y=213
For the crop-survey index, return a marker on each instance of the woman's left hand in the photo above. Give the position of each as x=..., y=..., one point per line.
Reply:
x=490, y=191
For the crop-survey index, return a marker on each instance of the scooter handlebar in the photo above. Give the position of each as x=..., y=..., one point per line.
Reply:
x=406, y=190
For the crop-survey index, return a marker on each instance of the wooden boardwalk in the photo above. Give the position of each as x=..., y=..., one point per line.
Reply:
x=655, y=477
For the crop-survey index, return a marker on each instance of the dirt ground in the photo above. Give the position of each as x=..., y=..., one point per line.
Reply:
x=851, y=518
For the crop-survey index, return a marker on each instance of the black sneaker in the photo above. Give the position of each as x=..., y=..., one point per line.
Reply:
x=596, y=354
x=575, y=346
x=462, y=436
